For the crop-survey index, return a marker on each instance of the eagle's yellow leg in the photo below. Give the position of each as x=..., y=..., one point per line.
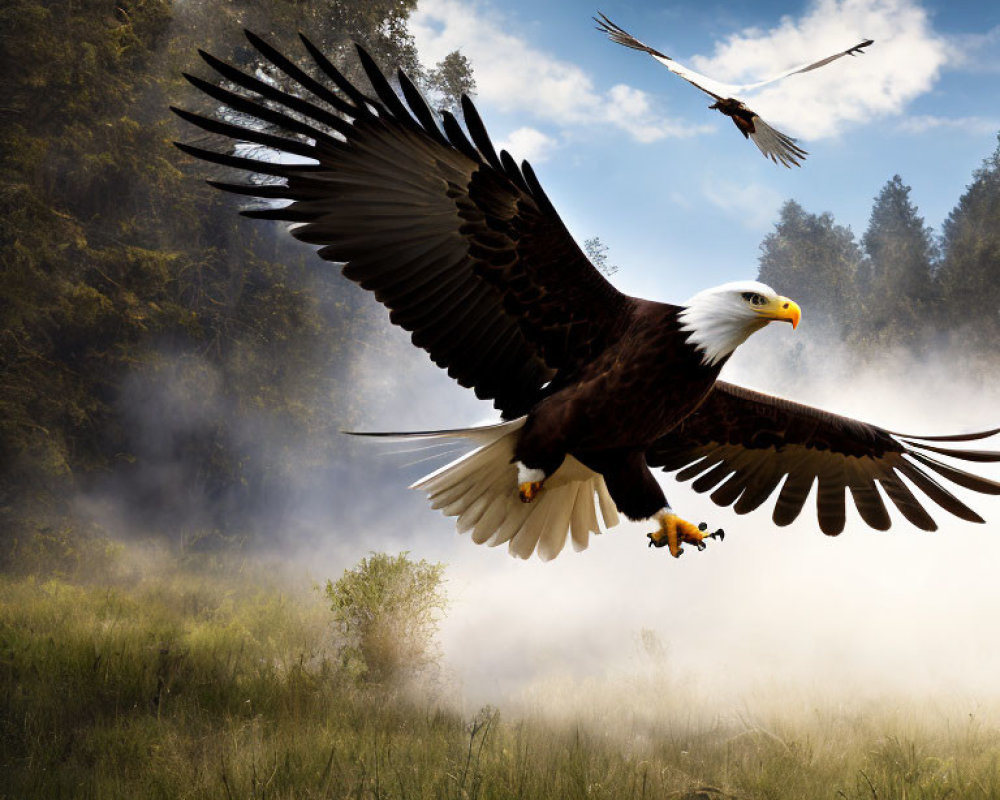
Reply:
x=674, y=532
x=529, y=490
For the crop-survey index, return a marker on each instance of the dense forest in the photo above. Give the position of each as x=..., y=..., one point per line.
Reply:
x=160, y=349
x=899, y=286
x=156, y=346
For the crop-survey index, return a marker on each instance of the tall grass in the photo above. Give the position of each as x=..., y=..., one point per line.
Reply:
x=216, y=684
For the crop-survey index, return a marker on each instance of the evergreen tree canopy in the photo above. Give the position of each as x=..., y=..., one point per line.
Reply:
x=970, y=270
x=897, y=286
x=451, y=78
x=812, y=259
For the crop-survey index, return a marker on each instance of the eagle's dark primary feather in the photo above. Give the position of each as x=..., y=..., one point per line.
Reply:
x=745, y=443
x=465, y=251
x=955, y=437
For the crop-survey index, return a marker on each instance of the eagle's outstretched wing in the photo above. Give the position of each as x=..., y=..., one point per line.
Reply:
x=460, y=243
x=716, y=89
x=740, y=444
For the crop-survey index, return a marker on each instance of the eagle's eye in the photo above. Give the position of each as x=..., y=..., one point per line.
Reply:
x=754, y=299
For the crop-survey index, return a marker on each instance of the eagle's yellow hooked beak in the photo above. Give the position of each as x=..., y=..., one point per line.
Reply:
x=783, y=310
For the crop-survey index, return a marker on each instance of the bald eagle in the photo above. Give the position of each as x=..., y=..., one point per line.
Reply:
x=595, y=387
x=771, y=142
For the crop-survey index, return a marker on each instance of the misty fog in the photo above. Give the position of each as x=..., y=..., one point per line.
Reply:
x=866, y=612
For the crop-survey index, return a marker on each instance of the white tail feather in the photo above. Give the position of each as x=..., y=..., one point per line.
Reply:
x=480, y=489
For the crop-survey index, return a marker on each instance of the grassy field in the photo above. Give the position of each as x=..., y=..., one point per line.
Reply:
x=225, y=684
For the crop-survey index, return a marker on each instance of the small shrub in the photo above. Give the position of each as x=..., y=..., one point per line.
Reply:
x=387, y=608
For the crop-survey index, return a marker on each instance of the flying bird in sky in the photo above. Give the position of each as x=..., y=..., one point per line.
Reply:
x=771, y=142
x=595, y=387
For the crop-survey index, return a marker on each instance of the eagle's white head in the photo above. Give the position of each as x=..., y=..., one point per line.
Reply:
x=722, y=318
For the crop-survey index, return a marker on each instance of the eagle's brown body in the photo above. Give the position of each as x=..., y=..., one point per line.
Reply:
x=468, y=254
x=614, y=407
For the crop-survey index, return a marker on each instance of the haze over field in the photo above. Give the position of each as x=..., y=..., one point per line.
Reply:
x=865, y=612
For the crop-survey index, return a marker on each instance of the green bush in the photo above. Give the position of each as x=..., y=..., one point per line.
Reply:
x=387, y=608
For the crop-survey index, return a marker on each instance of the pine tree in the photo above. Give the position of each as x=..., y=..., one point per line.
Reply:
x=896, y=286
x=451, y=78
x=812, y=259
x=969, y=278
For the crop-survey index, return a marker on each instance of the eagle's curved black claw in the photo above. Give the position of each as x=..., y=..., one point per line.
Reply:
x=663, y=542
x=719, y=534
x=701, y=546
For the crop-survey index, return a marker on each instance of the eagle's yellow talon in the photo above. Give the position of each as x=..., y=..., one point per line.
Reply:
x=675, y=531
x=529, y=491
x=666, y=536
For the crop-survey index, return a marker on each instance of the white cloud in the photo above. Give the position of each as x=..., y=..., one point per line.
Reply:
x=516, y=77
x=528, y=143
x=975, y=52
x=969, y=125
x=755, y=206
x=632, y=106
x=903, y=63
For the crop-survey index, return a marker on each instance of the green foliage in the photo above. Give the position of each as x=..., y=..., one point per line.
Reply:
x=78, y=171
x=969, y=277
x=897, y=286
x=387, y=608
x=815, y=261
x=451, y=78
x=149, y=331
x=902, y=288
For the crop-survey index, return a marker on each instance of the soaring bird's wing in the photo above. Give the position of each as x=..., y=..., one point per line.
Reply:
x=715, y=88
x=857, y=49
x=774, y=144
x=742, y=443
x=460, y=243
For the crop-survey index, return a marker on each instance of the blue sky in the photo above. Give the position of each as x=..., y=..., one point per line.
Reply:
x=631, y=153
